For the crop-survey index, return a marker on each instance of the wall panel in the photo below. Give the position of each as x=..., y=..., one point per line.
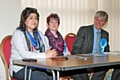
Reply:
x=75, y=13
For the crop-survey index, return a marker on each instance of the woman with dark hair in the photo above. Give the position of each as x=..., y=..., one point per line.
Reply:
x=55, y=38
x=28, y=42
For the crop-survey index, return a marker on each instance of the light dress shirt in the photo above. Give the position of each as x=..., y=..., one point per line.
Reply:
x=95, y=39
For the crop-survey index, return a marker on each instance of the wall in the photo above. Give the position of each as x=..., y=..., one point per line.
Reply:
x=9, y=16
x=113, y=27
x=10, y=12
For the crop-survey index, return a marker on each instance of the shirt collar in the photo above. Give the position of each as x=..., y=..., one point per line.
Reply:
x=95, y=30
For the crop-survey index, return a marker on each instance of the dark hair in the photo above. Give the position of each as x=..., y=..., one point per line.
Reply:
x=54, y=16
x=25, y=13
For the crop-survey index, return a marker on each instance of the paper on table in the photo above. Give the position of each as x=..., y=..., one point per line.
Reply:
x=83, y=57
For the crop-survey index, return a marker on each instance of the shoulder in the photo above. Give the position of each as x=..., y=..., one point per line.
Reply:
x=17, y=32
x=104, y=31
x=84, y=28
x=43, y=36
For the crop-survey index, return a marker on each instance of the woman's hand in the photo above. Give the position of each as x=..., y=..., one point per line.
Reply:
x=51, y=53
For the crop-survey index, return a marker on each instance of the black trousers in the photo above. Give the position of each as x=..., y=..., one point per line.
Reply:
x=44, y=75
x=35, y=75
x=99, y=73
x=79, y=74
x=116, y=73
x=82, y=74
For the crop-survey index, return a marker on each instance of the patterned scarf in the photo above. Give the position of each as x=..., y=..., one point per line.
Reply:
x=55, y=42
x=36, y=41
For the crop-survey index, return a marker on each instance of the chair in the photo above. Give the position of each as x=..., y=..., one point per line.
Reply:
x=69, y=39
x=3, y=75
x=5, y=49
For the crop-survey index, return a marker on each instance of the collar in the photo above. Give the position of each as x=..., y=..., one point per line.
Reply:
x=95, y=30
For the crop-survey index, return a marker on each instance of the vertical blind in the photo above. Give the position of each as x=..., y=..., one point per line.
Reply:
x=76, y=13
x=112, y=7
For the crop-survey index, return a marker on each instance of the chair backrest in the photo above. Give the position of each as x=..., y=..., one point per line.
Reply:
x=3, y=75
x=6, y=48
x=69, y=39
x=5, y=52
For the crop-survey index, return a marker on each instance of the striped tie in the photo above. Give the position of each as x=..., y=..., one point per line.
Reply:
x=98, y=42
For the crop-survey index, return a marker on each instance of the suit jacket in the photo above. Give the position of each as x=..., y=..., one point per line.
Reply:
x=85, y=40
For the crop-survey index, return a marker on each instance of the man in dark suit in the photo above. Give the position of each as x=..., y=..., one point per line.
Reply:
x=86, y=42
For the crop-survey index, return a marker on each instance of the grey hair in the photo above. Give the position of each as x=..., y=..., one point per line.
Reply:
x=102, y=14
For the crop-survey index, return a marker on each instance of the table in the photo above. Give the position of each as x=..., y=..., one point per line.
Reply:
x=79, y=61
